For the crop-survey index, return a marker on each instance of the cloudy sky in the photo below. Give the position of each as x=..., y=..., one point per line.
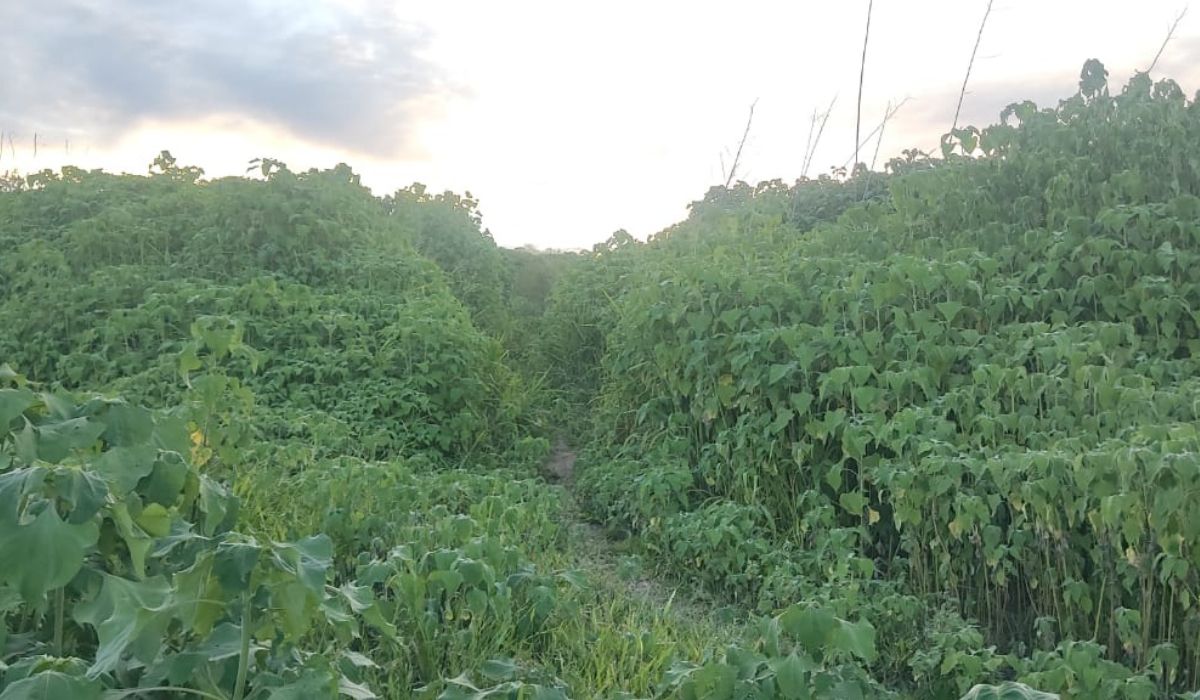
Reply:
x=568, y=120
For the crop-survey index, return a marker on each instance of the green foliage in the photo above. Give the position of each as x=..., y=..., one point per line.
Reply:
x=935, y=428
x=445, y=229
x=121, y=568
x=805, y=652
x=1006, y=691
x=360, y=344
x=975, y=384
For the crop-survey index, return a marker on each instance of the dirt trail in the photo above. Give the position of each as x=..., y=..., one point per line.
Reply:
x=561, y=463
x=611, y=563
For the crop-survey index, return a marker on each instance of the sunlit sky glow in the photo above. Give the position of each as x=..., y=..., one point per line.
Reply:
x=568, y=120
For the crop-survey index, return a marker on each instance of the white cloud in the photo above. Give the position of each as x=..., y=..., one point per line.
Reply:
x=570, y=120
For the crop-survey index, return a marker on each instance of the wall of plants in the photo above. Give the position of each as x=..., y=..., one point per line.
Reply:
x=974, y=398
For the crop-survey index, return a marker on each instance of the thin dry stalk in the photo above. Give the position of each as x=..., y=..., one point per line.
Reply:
x=862, y=71
x=886, y=117
x=811, y=149
x=971, y=64
x=1170, y=35
x=741, y=144
x=879, y=141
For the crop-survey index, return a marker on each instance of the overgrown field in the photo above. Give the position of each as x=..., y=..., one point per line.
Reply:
x=926, y=433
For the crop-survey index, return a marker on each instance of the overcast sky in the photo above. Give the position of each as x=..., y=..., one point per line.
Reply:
x=568, y=120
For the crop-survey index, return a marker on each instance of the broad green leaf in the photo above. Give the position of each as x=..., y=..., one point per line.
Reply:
x=166, y=480
x=124, y=467
x=1006, y=691
x=362, y=603
x=138, y=543
x=8, y=374
x=357, y=660
x=857, y=638
x=57, y=440
x=218, y=506
x=85, y=491
x=53, y=685
x=782, y=419
x=312, y=683
x=14, y=486
x=949, y=309
x=472, y=571
x=175, y=669
x=812, y=627
x=791, y=675
x=356, y=691
x=778, y=372
x=31, y=665
x=853, y=502
x=308, y=560
x=714, y=681
x=58, y=548
x=199, y=595
x=129, y=617
x=13, y=403
x=745, y=661
x=541, y=692
x=233, y=564
x=498, y=669
x=801, y=402
x=26, y=442
x=155, y=520
x=171, y=434
x=127, y=426
x=449, y=580
x=224, y=642
x=294, y=605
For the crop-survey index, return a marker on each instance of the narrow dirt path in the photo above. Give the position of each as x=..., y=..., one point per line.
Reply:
x=615, y=568
x=561, y=463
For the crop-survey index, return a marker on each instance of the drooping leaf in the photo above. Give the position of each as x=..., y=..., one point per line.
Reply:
x=308, y=560
x=124, y=467
x=312, y=683
x=355, y=691
x=791, y=675
x=1006, y=691
x=84, y=491
x=44, y=554
x=234, y=562
x=200, y=596
x=14, y=485
x=58, y=439
x=53, y=685
x=498, y=669
x=127, y=426
x=13, y=402
x=129, y=617
x=294, y=605
x=155, y=520
x=166, y=480
x=812, y=627
x=857, y=638
x=714, y=681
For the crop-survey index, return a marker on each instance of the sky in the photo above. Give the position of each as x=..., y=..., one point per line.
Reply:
x=567, y=120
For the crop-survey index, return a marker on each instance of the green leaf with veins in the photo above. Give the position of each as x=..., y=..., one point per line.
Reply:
x=58, y=548
x=129, y=617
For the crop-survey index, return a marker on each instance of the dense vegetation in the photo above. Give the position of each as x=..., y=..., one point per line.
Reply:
x=922, y=433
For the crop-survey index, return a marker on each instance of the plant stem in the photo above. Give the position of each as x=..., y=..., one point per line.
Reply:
x=971, y=64
x=60, y=602
x=862, y=71
x=239, y=687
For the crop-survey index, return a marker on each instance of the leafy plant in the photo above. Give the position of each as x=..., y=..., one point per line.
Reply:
x=140, y=582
